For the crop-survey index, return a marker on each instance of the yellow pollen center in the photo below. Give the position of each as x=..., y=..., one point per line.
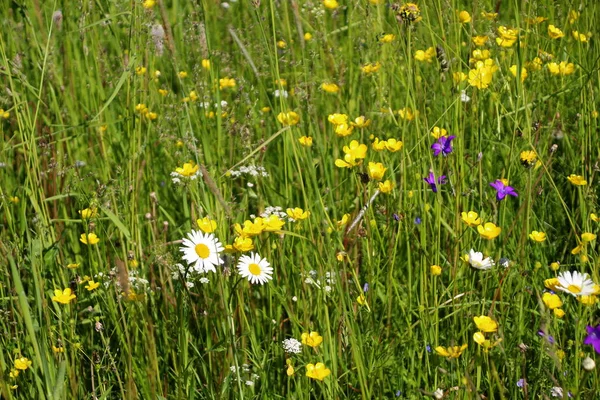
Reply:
x=574, y=289
x=202, y=250
x=254, y=269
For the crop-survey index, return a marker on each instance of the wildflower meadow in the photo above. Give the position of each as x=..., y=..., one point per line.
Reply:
x=299, y=199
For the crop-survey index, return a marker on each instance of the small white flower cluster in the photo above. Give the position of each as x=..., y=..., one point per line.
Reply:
x=292, y=345
x=244, y=368
x=177, y=178
x=329, y=280
x=190, y=275
x=206, y=104
x=251, y=170
x=281, y=93
x=274, y=210
x=135, y=282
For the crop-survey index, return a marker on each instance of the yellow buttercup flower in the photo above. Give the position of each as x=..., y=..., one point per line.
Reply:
x=297, y=213
x=378, y=145
x=206, y=224
x=435, y=270
x=331, y=4
x=338, y=119
x=182, y=74
x=387, y=38
x=92, y=285
x=226, y=83
x=588, y=300
x=205, y=63
x=148, y=4
x=577, y=180
x=594, y=217
x=481, y=77
x=458, y=77
x=73, y=265
x=288, y=118
x=438, y=132
x=513, y=71
x=306, y=141
x=343, y=130
x=534, y=65
x=308, y=36
x=490, y=16
x=450, y=351
x=249, y=228
x=330, y=87
x=393, y=145
x=479, y=40
x=89, y=239
x=588, y=237
x=371, y=68
x=361, y=122
x=241, y=244
x=551, y=301
x=528, y=158
x=189, y=169
x=354, y=153
x=485, y=324
x=552, y=284
x=563, y=68
x=88, y=213
x=554, y=32
x=361, y=299
x=581, y=37
x=385, y=187
x=489, y=230
x=376, y=170
x=558, y=312
x=318, y=371
x=486, y=344
x=22, y=363
x=425, y=55
x=407, y=113
x=312, y=339
x=537, y=236
x=464, y=17
x=63, y=296
x=272, y=223
x=470, y=218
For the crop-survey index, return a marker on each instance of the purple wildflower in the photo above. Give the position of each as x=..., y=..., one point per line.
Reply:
x=396, y=217
x=546, y=336
x=521, y=382
x=417, y=221
x=432, y=181
x=503, y=190
x=366, y=287
x=593, y=337
x=443, y=145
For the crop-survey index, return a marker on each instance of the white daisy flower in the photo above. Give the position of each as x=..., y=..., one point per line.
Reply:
x=202, y=250
x=576, y=283
x=477, y=261
x=255, y=268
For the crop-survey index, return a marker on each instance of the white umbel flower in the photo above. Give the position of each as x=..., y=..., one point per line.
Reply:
x=202, y=250
x=576, y=283
x=477, y=261
x=255, y=268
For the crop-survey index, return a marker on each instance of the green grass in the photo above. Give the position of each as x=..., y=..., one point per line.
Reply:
x=74, y=138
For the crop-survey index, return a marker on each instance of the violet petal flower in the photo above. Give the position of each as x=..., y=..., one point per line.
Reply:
x=503, y=190
x=443, y=145
x=593, y=337
x=432, y=181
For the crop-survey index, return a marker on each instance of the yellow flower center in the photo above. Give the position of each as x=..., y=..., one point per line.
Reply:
x=574, y=289
x=202, y=250
x=254, y=269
